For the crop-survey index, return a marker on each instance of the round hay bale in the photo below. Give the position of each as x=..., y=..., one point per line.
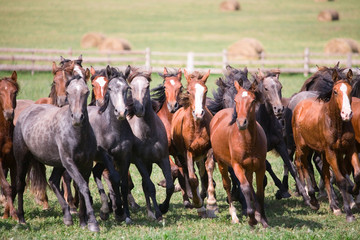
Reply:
x=230, y=5
x=342, y=46
x=92, y=39
x=246, y=48
x=114, y=44
x=328, y=16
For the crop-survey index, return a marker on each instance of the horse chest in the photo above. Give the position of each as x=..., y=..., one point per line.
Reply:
x=199, y=143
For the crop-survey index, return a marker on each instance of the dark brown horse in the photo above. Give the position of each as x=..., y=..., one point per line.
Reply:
x=324, y=126
x=8, y=91
x=190, y=136
x=243, y=147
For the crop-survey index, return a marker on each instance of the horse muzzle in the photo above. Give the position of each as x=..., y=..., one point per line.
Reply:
x=120, y=115
x=346, y=116
x=198, y=115
x=242, y=124
x=172, y=107
x=77, y=119
x=8, y=115
x=279, y=111
x=100, y=102
x=61, y=101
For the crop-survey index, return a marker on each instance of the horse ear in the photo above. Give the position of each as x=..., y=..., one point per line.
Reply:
x=334, y=75
x=205, y=77
x=80, y=58
x=246, y=71
x=260, y=74
x=337, y=65
x=62, y=59
x=127, y=71
x=349, y=75
x=165, y=71
x=179, y=74
x=108, y=72
x=54, y=68
x=72, y=66
x=237, y=86
x=14, y=76
x=229, y=68
x=186, y=74
x=87, y=75
x=92, y=70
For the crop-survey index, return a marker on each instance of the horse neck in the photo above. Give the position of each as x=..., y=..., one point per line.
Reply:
x=196, y=126
x=164, y=111
x=332, y=112
x=250, y=133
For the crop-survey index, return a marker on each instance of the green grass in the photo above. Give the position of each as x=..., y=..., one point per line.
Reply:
x=282, y=26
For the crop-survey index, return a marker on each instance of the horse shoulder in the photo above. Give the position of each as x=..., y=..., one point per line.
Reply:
x=355, y=106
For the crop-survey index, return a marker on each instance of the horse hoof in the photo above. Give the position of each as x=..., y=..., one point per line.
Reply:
x=73, y=211
x=337, y=212
x=128, y=221
x=159, y=219
x=235, y=221
x=252, y=222
x=353, y=205
x=264, y=224
x=212, y=207
x=68, y=222
x=93, y=227
x=350, y=219
x=201, y=212
x=163, y=208
x=177, y=188
x=322, y=195
x=280, y=195
x=187, y=204
x=134, y=206
x=104, y=216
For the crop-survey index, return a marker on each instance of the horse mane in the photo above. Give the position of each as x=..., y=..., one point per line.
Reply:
x=65, y=62
x=355, y=82
x=158, y=97
x=75, y=77
x=325, y=95
x=135, y=72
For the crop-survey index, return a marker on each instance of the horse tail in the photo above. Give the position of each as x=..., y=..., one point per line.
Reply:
x=37, y=178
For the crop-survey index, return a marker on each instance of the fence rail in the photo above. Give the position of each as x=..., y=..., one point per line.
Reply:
x=25, y=59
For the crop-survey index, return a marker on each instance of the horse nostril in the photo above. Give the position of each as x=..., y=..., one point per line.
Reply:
x=245, y=122
x=81, y=117
x=176, y=105
x=72, y=115
x=202, y=113
x=116, y=111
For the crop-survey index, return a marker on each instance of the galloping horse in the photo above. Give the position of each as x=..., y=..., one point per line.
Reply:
x=150, y=142
x=114, y=135
x=243, y=147
x=324, y=126
x=166, y=102
x=190, y=136
x=8, y=91
x=63, y=138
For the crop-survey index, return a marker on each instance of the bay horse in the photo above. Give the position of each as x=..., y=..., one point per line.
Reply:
x=190, y=136
x=64, y=139
x=165, y=100
x=243, y=147
x=324, y=125
x=114, y=135
x=151, y=144
x=8, y=91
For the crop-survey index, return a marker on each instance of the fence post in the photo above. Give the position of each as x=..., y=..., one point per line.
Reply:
x=190, y=62
x=224, y=58
x=33, y=64
x=349, y=60
x=148, y=59
x=306, y=62
x=262, y=57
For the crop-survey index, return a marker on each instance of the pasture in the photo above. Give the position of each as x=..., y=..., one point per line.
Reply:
x=282, y=26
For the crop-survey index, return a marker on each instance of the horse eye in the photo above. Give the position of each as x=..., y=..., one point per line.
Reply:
x=335, y=92
x=109, y=89
x=266, y=89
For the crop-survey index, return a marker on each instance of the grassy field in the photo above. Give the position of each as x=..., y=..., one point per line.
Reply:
x=282, y=26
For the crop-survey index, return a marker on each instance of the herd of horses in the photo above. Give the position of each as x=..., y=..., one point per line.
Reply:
x=178, y=127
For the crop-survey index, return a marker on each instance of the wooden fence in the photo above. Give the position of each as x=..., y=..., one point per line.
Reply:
x=41, y=60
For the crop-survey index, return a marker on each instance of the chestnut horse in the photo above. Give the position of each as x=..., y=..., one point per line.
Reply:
x=8, y=91
x=190, y=136
x=324, y=126
x=243, y=147
x=166, y=102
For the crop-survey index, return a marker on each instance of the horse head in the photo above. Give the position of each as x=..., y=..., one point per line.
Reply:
x=173, y=88
x=77, y=93
x=244, y=111
x=58, y=87
x=99, y=84
x=8, y=91
x=341, y=94
x=139, y=83
x=197, y=91
x=269, y=88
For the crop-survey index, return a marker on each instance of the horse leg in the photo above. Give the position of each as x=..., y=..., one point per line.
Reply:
x=260, y=196
x=314, y=204
x=130, y=197
x=22, y=166
x=227, y=186
x=184, y=183
x=331, y=157
x=211, y=207
x=203, y=178
x=8, y=192
x=66, y=181
x=246, y=189
x=164, y=164
x=356, y=166
x=149, y=190
x=282, y=192
x=326, y=174
x=54, y=182
x=83, y=188
x=38, y=188
x=97, y=173
x=194, y=184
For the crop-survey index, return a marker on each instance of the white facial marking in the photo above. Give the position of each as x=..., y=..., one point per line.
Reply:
x=244, y=94
x=346, y=107
x=5, y=88
x=172, y=82
x=78, y=70
x=101, y=81
x=199, y=93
